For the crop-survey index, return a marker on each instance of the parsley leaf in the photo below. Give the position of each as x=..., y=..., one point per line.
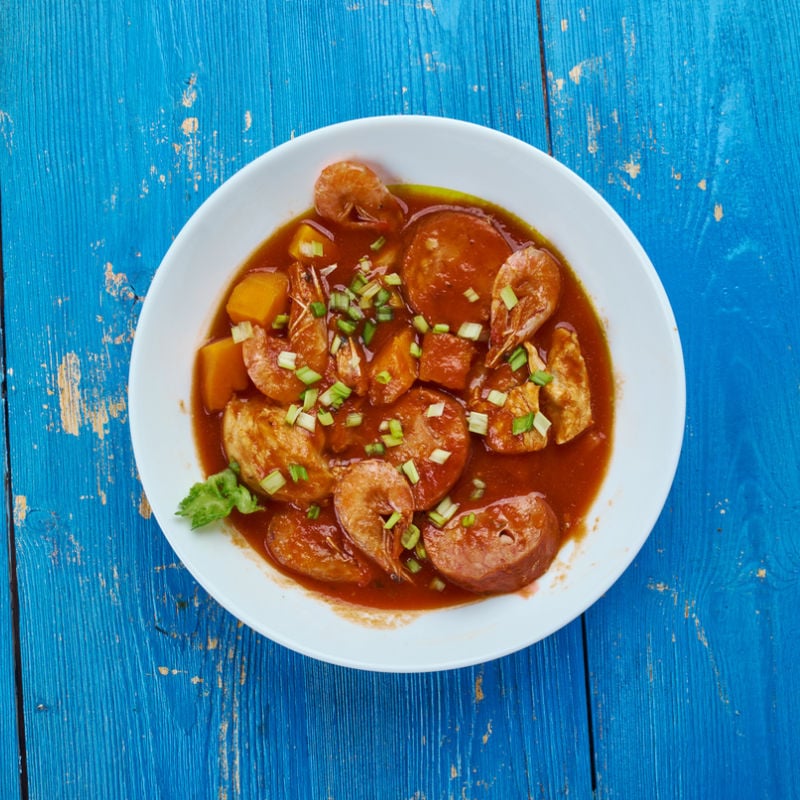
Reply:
x=216, y=497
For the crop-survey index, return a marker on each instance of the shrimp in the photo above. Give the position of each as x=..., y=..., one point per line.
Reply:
x=530, y=282
x=260, y=353
x=522, y=398
x=350, y=193
x=308, y=334
x=256, y=436
x=567, y=397
x=374, y=506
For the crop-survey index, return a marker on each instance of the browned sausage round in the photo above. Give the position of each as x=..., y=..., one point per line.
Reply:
x=451, y=253
x=510, y=543
x=315, y=548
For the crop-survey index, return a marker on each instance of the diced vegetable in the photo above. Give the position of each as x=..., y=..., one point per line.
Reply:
x=242, y=332
x=478, y=422
x=410, y=537
x=222, y=372
x=393, y=369
x=297, y=472
x=259, y=297
x=309, y=243
x=409, y=469
x=540, y=377
x=508, y=297
x=518, y=358
x=273, y=481
x=439, y=456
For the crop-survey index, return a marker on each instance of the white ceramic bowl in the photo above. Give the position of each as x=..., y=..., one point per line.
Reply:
x=614, y=269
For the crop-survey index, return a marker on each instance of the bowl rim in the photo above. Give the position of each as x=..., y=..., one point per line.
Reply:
x=403, y=125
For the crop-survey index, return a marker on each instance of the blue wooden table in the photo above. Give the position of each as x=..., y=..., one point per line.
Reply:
x=120, y=677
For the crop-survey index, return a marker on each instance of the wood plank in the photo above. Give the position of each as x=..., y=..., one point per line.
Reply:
x=692, y=654
x=136, y=683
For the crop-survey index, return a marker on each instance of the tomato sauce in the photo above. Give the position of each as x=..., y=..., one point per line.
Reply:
x=568, y=475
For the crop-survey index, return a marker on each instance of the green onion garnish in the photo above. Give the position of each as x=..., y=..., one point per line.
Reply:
x=339, y=301
x=335, y=394
x=346, y=326
x=287, y=360
x=318, y=309
x=436, y=518
x=242, y=331
x=292, y=413
x=410, y=537
x=415, y=350
x=472, y=295
x=272, y=482
x=439, y=456
x=441, y=327
x=478, y=422
x=392, y=279
x=391, y=441
x=374, y=449
x=382, y=297
x=497, y=398
x=471, y=331
x=392, y=521
x=396, y=428
x=309, y=397
x=434, y=410
x=307, y=375
x=325, y=417
x=518, y=358
x=359, y=282
x=409, y=469
x=307, y=421
x=369, y=331
x=413, y=566
x=437, y=584
x=508, y=297
x=298, y=472
x=336, y=344
x=420, y=324
x=354, y=419
x=378, y=243
x=313, y=511
x=478, y=490
x=280, y=321
x=540, y=377
x=522, y=424
x=384, y=377
x=384, y=314
x=541, y=423
x=468, y=520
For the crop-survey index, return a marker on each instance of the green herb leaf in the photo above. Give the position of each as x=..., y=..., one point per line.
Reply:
x=216, y=497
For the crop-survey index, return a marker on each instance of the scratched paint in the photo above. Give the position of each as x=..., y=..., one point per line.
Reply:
x=69, y=400
x=20, y=509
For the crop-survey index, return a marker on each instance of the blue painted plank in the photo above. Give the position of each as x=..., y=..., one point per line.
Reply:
x=692, y=655
x=136, y=683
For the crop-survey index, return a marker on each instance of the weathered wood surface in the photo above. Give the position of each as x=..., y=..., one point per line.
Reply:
x=116, y=121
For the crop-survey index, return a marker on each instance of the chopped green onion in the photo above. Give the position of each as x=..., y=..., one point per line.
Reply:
x=280, y=321
x=541, y=424
x=369, y=331
x=468, y=520
x=522, y=424
x=391, y=441
x=378, y=243
x=446, y=508
x=471, y=331
x=354, y=419
x=392, y=521
x=396, y=428
x=292, y=413
x=325, y=271
x=478, y=422
x=336, y=344
x=540, y=377
x=410, y=537
x=272, y=482
x=369, y=290
x=384, y=377
x=311, y=248
x=382, y=297
x=318, y=309
x=518, y=358
x=420, y=550
x=413, y=566
x=298, y=472
x=287, y=359
x=437, y=584
x=307, y=375
x=497, y=398
x=435, y=410
x=392, y=279
x=359, y=282
x=346, y=326
x=472, y=295
x=339, y=301
x=325, y=417
x=242, y=331
x=439, y=456
x=313, y=511
x=384, y=314
x=436, y=518
x=309, y=398
x=374, y=449
x=508, y=297
x=409, y=469
x=478, y=490
x=355, y=313
x=415, y=350
x=307, y=421
x=420, y=324
x=335, y=394
x=441, y=327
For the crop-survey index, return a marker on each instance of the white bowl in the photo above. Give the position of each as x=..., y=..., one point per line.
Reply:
x=614, y=269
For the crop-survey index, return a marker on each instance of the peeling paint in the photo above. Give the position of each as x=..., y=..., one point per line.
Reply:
x=145, y=510
x=20, y=509
x=592, y=129
x=702, y=185
x=632, y=167
x=485, y=737
x=190, y=125
x=248, y=121
x=190, y=93
x=69, y=381
x=718, y=211
x=479, y=689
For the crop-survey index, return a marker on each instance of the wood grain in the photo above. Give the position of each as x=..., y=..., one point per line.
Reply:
x=690, y=655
